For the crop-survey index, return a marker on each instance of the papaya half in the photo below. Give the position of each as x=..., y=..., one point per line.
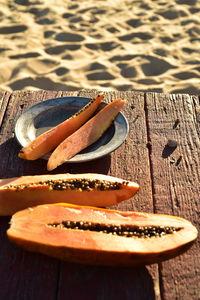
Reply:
x=50, y=139
x=97, y=236
x=86, y=135
x=82, y=189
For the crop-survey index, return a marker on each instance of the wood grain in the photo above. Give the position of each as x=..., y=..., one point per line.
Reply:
x=175, y=178
x=169, y=180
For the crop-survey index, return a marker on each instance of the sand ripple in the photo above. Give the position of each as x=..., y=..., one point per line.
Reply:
x=121, y=45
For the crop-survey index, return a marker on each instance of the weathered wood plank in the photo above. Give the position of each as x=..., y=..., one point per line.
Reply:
x=175, y=177
x=23, y=275
x=131, y=162
x=89, y=282
x=175, y=183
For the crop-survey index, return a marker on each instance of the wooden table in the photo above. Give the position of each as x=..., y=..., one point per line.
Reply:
x=169, y=182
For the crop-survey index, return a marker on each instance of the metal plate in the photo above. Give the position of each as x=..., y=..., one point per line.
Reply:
x=45, y=115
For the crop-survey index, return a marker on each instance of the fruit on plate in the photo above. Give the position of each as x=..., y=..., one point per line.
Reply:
x=50, y=139
x=82, y=189
x=98, y=236
x=86, y=135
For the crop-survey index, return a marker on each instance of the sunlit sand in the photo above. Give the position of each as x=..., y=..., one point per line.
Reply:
x=121, y=45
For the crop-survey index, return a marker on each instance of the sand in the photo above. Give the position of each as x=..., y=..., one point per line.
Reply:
x=121, y=45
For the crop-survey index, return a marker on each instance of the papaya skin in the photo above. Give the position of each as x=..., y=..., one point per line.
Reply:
x=86, y=135
x=50, y=139
x=83, y=189
x=34, y=229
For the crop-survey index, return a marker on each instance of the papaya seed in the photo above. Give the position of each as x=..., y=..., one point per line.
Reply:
x=75, y=184
x=120, y=230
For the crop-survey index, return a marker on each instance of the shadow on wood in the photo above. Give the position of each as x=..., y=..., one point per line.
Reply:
x=37, y=274
x=117, y=283
x=167, y=151
x=100, y=166
x=15, y=166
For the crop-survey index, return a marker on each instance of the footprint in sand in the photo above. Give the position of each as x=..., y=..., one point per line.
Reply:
x=186, y=89
x=4, y=49
x=67, y=57
x=76, y=19
x=102, y=75
x=166, y=40
x=92, y=46
x=85, y=10
x=26, y=2
x=45, y=21
x=12, y=29
x=194, y=10
x=127, y=57
x=127, y=71
x=155, y=66
x=112, y=29
x=25, y=55
x=96, y=66
x=186, y=75
x=40, y=82
x=191, y=2
x=73, y=6
x=148, y=81
x=160, y=52
x=172, y=14
x=49, y=33
x=186, y=22
x=61, y=49
x=194, y=32
x=67, y=15
x=140, y=35
x=124, y=87
x=135, y=23
x=61, y=71
x=69, y=37
x=39, y=12
x=105, y=46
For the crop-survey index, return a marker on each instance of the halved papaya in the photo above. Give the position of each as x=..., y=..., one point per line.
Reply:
x=86, y=135
x=89, y=235
x=83, y=189
x=50, y=139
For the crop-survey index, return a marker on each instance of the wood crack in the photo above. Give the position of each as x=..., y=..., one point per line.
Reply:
x=5, y=99
x=149, y=147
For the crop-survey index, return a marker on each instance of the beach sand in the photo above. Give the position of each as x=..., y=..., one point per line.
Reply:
x=121, y=45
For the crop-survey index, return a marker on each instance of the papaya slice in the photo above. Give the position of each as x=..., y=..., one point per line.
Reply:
x=50, y=139
x=86, y=135
x=82, y=189
x=90, y=235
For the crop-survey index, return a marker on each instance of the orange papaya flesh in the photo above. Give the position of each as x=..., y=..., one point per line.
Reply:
x=50, y=139
x=97, y=236
x=82, y=189
x=86, y=135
